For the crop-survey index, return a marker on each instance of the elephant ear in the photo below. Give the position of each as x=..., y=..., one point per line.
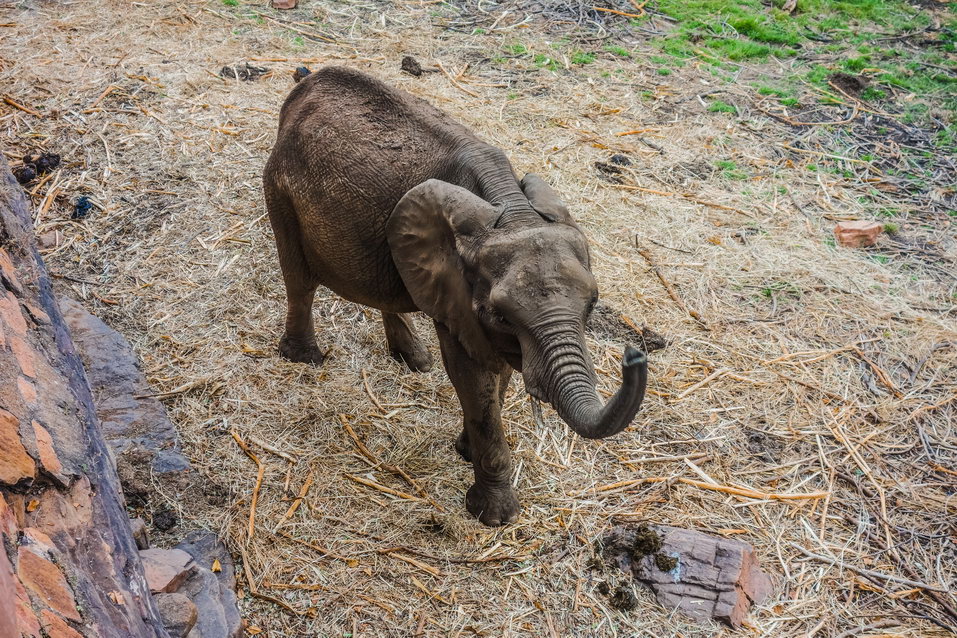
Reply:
x=545, y=200
x=431, y=232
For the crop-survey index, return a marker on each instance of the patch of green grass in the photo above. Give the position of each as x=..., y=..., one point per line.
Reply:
x=768, y=90
x=855, y=65
x=871, y=93
x=881, y=259
x=890, y=228
x=516, y=49
x=738, y=50
x=231, y=3
x=722, y=107
x=664, y=71
x=780, y=289
x=478, y=32
x=789, y=101
x=512, y=95
x=580, y=57
x=542, y=61
x=730, y=170
x=298, y=41
x=621, y=52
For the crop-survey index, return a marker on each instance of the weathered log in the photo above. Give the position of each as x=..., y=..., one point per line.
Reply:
x=68, y=560
x=701, y=575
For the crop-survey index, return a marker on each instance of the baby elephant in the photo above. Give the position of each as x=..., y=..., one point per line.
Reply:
x=392, y=204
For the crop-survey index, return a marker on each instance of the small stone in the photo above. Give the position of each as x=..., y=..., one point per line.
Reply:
x=300, y=73
x=45, y=579
x=49, y=239
x=857, y=234
x=140, y=533
x=178, y=612
x=165, y=569
x=284, y=4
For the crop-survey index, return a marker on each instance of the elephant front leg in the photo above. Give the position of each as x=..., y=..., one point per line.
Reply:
x=491, y=498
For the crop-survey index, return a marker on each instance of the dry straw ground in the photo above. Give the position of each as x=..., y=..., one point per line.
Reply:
x=813, y=370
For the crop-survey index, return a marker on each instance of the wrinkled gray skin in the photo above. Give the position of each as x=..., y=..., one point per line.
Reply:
x=388, y=202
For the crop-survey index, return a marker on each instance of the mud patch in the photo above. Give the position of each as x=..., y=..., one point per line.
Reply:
x=853, y=85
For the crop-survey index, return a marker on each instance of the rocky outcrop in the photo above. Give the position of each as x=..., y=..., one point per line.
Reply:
x=68, y=560
x=77, y=433
x=701, y=575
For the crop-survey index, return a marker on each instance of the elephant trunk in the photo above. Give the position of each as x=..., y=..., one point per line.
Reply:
x=569, y=385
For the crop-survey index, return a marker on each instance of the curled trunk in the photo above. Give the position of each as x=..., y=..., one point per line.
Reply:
x=570, y=385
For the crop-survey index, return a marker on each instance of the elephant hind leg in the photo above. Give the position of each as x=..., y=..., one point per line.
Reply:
x=298, y=342
x=404, y=344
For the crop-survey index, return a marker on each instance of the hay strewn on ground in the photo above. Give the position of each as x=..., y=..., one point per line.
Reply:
x=818, y=369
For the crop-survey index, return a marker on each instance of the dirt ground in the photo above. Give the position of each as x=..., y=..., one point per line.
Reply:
x=810, y=368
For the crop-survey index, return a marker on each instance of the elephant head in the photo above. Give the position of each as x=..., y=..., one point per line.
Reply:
x=513, y=285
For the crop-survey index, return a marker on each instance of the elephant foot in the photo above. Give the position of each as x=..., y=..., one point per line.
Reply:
x=493, y=507
x=416, y=356
x=462, y=446
x=404, y=344
x=301, y=351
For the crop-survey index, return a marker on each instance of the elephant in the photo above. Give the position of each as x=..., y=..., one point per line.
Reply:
x=390, y=203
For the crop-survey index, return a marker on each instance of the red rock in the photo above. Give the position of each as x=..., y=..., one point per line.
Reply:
x=8, y=596
x=41, y=541
x=712, y=576
x=26, y=619
x=8, y=520
x=8, y=272
x=284, y=4
x=45, y=579
x=857, y=234
x=27, y=390
x=25, y=356
x=11, y=314
x=165, y=569
x=56, y=627
x=15, y=464
x=48, y=457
